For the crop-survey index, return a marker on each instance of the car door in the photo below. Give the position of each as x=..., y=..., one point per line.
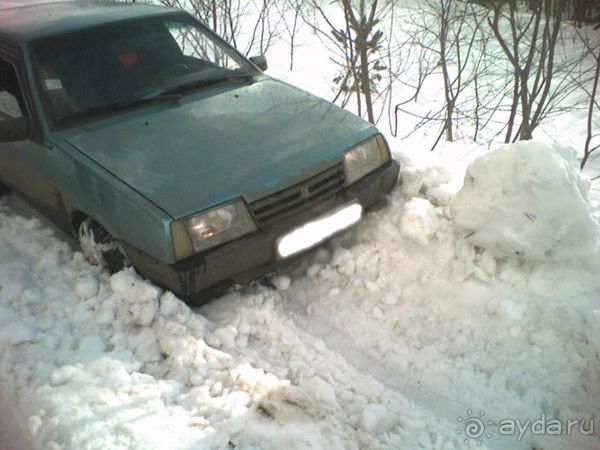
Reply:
x=26, y=164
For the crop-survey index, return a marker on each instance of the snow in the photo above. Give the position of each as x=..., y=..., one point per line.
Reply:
x=419, y=220
x=528, y=200
x=379, y=339
x=281, y=282
x=447, y=301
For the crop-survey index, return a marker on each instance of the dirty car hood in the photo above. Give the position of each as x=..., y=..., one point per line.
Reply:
x=235, y=140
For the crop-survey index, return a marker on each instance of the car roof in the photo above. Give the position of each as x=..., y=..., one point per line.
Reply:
x=39, y=19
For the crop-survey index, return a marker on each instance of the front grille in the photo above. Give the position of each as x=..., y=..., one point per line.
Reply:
x=299, y=197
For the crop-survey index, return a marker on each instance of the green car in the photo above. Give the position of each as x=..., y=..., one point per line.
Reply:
x=144, y=135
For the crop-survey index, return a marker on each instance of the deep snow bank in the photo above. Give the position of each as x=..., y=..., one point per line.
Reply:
x=380, y=339
x=92, y=361
x=527, y=199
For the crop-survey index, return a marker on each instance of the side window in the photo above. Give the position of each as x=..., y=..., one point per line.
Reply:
x=12, y=105
x=196, y=45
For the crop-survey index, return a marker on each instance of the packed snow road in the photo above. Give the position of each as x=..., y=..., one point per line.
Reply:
x=398, y=334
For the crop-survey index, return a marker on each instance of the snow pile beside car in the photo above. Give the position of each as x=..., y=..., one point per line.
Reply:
x=527, y=200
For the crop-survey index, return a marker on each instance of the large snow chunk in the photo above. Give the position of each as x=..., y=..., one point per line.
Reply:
x=13, y=331
x=139, y=303
x=529, y=200
x=419, y=221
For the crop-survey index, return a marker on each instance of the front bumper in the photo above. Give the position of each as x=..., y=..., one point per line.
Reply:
x=254, y=255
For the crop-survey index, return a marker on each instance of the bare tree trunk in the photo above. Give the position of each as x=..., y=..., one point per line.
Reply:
x=366, y=82
x=293, y=36
x=551, y=30
x=443, y=37
x=356, y=41
x=524, y=75
x=362, y=28
x=533, y=94
x=587, y=151
x=351, y=59
x=513, y=110
x=476, y=111
x=215, y=15
x=363, y=81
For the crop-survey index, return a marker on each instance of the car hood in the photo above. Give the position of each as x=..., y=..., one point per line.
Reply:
x=236, y=140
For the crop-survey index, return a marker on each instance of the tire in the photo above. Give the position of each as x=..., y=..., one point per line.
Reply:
x=99, y=247
x=4, y=191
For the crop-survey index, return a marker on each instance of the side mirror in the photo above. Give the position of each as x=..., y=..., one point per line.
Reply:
x=260, y=62
x=14, y=129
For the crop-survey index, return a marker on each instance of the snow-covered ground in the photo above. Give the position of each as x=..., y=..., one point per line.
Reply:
x=383, y=338
x=450, y=315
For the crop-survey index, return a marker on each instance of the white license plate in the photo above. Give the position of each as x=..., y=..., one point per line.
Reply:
x=318, y=230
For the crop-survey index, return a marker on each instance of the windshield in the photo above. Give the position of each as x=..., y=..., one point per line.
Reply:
x=94, y=71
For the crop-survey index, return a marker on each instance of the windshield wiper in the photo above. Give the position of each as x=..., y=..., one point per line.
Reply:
x=121, y=105
x=172, y=94
x=203, y=82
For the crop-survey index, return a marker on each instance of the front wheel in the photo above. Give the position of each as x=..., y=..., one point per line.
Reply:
x=4, y=190
x=100, y=248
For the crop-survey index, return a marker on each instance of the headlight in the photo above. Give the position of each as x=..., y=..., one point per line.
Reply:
x=213, y=227
x=364, y=158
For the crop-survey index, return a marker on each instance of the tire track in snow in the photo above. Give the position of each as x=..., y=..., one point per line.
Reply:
x=357, y=391
x=441, y=407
